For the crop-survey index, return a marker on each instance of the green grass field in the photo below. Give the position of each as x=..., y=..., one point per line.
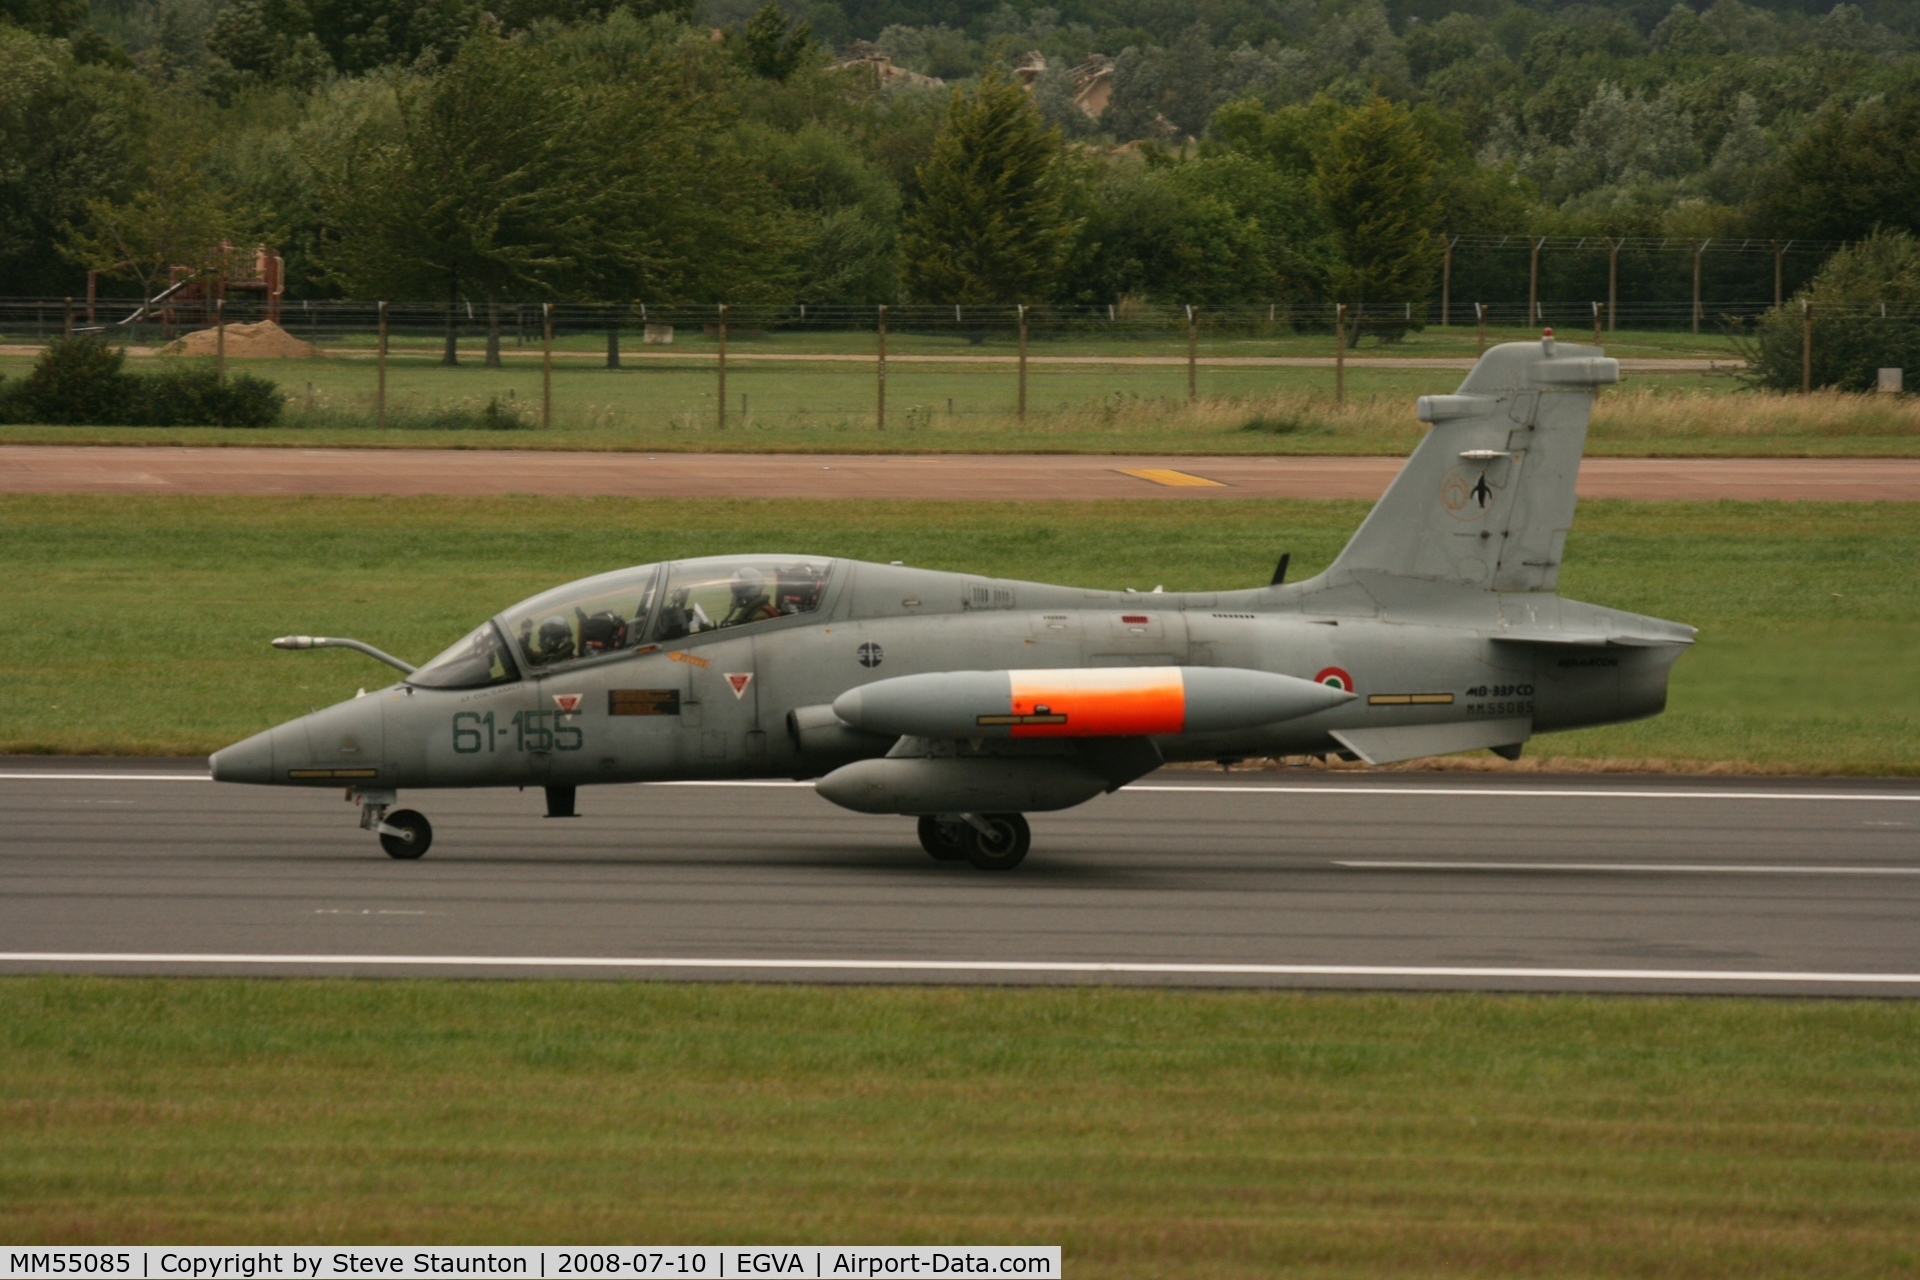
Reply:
x=1150, y=1134
x=672, y=404
x=140, y=624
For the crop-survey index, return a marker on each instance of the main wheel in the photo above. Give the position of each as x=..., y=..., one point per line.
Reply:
x=1002, y=845
x=946, y=841
x=417, y=837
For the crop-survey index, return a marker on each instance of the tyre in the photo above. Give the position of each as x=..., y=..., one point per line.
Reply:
x=1002, y=845
x=417, y=839
x=946, y=841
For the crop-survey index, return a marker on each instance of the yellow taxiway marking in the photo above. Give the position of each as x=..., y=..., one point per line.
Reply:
x=1171, y=478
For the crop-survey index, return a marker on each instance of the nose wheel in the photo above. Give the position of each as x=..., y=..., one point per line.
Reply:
x=403, y=833
x=406, y=834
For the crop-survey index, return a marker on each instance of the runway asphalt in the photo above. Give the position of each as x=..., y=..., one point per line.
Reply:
x=955, y=477
x=1294, y=879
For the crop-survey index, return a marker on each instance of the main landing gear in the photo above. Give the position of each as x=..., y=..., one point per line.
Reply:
x=403, y=833
x=989, y=841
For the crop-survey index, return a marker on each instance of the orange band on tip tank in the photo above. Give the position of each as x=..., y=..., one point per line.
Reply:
x=1100, y=702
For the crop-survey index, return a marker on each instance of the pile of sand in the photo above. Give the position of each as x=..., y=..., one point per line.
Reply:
x=263, y=341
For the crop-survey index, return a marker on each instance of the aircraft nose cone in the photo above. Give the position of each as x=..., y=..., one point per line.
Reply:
x=250, y=760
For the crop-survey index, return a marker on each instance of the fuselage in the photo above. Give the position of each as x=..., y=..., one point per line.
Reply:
x=658, y=689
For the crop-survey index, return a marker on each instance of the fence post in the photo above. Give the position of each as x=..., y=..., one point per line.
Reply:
x=1446, y=278
x=1023, y=361
x=1480, y=319
x=1613, y=283
x=1778, y=253
x=219, y=342
x=1533, y=279
x=68, y=332
x=1596, y=324
x=1193, y=357
x=1699, y=252
x=546, y=365
x=880, y=369
x=1339, y=353
x=380, y=383
x=1806, y=347
x=723, y=367
x=93, y=286
x=613, y=339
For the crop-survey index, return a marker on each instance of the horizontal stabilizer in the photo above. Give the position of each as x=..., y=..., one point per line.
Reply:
x=1410, y=742
x=1617, y=639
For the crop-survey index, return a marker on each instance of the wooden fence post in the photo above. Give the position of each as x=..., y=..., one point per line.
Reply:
x=880, y=368
x=1339, y=353
x=219, y=342
x=1806, y=347
x=1193, y=358
x=1023, y=361
x=380, y=384
x=723, y=367
x=546, y=365
x=1699, y=252
x=1613, y=284
x=1533, y=279
x=1446, y=279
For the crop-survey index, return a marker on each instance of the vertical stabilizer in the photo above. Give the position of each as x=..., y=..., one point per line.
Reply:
x=1487, y=498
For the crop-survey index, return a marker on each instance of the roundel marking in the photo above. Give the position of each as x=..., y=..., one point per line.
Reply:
x=1335, y=676
x=870, y=654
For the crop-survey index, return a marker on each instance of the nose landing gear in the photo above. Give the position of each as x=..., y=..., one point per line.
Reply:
x=989, y=841
x=406, y=834
x=403, y=833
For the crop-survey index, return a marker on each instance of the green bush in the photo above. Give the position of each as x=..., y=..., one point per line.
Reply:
x=83, y=381
x=1852, y=341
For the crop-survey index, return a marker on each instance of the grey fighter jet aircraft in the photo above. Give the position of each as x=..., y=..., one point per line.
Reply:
x=967, y=702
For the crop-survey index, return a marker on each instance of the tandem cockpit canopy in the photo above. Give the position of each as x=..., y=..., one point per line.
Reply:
x=626, y=610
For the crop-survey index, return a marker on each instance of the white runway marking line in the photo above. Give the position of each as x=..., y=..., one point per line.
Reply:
x=974, y=966
x=1590, y=793
x=1696, y=868
x=106, y=777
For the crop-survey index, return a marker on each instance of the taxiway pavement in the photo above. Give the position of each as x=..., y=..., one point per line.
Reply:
x=957, y=477
x=1300, y=878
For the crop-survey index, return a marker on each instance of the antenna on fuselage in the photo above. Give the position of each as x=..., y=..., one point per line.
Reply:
x=1280, y=570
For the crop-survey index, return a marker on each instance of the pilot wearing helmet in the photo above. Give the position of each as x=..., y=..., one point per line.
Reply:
x=553, y=642
x=751, y=603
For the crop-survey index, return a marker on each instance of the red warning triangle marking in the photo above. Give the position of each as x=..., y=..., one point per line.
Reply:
x=738, y=682
x=567, y=701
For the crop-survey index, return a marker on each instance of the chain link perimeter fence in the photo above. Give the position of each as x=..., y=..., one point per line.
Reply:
x=521, y=365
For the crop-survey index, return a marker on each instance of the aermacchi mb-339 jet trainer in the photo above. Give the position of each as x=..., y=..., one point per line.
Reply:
x=967, y=702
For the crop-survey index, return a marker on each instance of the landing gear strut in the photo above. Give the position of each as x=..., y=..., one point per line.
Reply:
x=403, y=833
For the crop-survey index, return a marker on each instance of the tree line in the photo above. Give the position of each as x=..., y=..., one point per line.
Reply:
x=1258, y=150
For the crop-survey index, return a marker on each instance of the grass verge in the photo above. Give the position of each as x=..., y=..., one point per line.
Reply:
x=139, y=625
x=1074, y=409
x=1165, y=1134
